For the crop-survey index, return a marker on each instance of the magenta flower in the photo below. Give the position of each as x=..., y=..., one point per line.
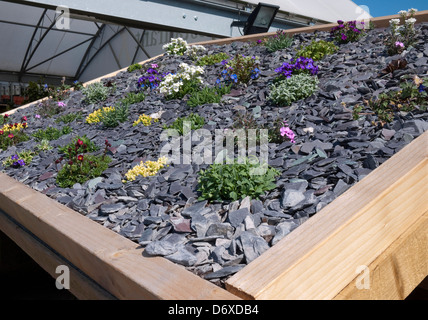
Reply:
x=286, y=131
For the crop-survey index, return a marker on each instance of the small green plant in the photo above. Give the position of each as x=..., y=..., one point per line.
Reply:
x=20, y=159
x=132, y=98
x=109, y=116
x=70, y=117
x=211, y=59
x=317, y=50
x=133, y=67
x=240, y=69
x=77, y=166
x=79, y=145
x=187, y=80
x=297, y=87
x=113, y=118
x=51, y=133
x=194, y=120
x=236, y=181
x=413, y=95
x=208, y=95
x=177, y=46
x=12, y=133
x=403, y=36
x=97, y=92
x=279, y=41
x=44, y=145
x=49, y=108
x=349, y=31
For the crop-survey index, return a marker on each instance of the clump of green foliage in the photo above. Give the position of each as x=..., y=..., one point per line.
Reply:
x=44, y=145
x=135, y=66
x=297, y=87
x=211, y=59
x=112, y=118
x=236, y=181
x=12, y=133
x=51, y=133
x=97, y=92
x=208, y=95
x=279, y=41
x=70, y=117
x=240, y=69
x=317, y=50
x=133, y=97
x=194, y=120
x=80, y=144
x=77, y=165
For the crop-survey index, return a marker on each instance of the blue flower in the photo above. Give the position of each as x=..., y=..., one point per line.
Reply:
x=421, y=88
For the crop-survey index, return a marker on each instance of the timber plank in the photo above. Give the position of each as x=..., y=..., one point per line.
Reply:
x=318, y=259
x=114, y=262
x=81, y=286
x=398, y=270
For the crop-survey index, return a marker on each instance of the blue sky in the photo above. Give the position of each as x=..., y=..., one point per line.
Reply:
x=380, y=8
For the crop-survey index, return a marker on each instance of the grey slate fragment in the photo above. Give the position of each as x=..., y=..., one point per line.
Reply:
x=224, y=272
x=237, y=217
x=182, y=256
x=253, y=245
x=220, y=229
x=290, y=198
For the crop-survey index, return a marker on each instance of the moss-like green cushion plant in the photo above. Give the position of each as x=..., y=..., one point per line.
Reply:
x=317, y=50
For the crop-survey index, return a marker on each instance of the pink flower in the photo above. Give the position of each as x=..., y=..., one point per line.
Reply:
x=61, y=104
x=286, y=131
x=37, y=116
x=154, y=65
x=399, y=44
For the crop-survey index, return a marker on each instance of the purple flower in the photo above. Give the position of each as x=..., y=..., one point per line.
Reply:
x=344, y=37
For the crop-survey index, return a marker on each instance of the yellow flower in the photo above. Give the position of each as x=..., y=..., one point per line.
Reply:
x=145, y=120
x=145, y=169
x=95, y=116
x=12, y=127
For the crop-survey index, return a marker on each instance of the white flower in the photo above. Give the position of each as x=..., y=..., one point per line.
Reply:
x=394, y=21
x=410, y=21
x=412, y=11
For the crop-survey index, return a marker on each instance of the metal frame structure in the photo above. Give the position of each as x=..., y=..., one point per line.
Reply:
x=212, y=18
